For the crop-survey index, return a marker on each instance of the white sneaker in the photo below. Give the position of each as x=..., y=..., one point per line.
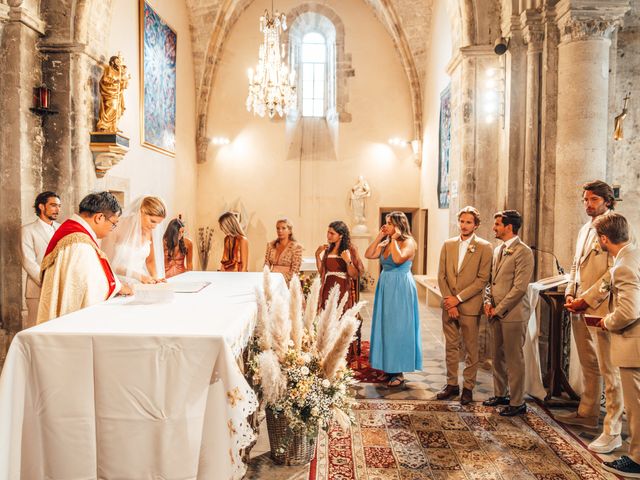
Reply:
x=605, y=443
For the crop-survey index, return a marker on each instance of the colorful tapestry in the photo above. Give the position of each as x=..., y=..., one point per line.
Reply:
x=444, y=148
x=158, y=76
x=411, y=440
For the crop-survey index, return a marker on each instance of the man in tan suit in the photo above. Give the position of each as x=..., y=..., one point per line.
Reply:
x=465, y=266
x=624, y=324
x=585, y=297
x=508, y=316
x=35, y=238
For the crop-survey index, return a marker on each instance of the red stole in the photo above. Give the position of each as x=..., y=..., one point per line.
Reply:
x=71, y=226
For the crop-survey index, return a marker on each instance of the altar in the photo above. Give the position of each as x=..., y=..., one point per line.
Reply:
x=130, y=390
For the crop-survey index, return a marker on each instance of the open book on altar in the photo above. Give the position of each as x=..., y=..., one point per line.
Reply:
x=553, y=281
x=188, y=287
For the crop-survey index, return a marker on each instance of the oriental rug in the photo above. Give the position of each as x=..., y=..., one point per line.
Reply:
x=411, y=440
x=362, y=370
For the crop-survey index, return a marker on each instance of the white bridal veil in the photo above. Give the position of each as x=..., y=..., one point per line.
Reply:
x=126, y=249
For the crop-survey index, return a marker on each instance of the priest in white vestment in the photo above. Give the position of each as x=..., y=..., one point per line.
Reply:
x=75, y=272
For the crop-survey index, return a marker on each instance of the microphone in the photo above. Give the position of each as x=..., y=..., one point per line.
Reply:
x=560, y=269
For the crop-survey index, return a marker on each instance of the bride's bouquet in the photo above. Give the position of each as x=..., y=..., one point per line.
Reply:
x=299, y=363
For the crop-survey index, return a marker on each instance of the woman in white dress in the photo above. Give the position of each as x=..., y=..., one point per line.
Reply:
x=135, y=247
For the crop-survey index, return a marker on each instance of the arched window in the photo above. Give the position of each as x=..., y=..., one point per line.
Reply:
x=314, y=70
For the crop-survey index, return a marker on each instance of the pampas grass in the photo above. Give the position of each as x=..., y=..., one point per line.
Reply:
x=295, y=312
x=338, y=350
x=280, y=326
x=266, y=280
x=326, y=316
x=262, y=332
x=272, y=379
x=311, y=308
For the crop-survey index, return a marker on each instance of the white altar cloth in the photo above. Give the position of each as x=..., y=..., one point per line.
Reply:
x=121, y=390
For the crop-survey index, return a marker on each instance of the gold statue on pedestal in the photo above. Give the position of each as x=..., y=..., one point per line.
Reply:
x=114, y=81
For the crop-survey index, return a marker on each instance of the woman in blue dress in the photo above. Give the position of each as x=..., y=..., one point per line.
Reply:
x=395, y=329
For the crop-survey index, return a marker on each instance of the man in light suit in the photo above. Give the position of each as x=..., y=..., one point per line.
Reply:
x=465, y=266
x=585, y=297
x=508, y=316
x=35, y=238
x=624, y=325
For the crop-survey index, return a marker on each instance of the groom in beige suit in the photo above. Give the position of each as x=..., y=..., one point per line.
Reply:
x=624, y=324
x=585, y=297
x=465, y=266
x=503, y=304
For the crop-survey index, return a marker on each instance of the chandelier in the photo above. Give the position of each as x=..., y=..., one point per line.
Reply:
x=271, y=86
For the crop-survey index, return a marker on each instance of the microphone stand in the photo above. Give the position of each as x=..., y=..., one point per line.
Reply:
x=558, y=267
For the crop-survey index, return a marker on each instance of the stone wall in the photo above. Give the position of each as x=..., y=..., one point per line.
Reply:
x=623, y=167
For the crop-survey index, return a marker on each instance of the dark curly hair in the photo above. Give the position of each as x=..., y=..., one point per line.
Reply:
x=100, y=202
x=42, y=199
x=341, y=229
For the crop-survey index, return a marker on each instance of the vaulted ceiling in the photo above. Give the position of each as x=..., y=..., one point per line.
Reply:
x=407, y=21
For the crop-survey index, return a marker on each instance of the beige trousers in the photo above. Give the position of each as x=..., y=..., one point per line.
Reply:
x=594, y=353
x=466, y=326
x=508, y=360
x=32, y=312
x=631, y=390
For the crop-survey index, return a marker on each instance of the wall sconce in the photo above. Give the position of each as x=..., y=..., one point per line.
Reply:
x=220, y=141
x=42, y=101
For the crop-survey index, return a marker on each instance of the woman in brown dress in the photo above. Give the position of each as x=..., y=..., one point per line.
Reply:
x=178, y=250
x=284, y=254
x=235, y=255
x=338, y=264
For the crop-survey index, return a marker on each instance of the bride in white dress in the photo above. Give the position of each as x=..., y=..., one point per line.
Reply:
x=134, y=248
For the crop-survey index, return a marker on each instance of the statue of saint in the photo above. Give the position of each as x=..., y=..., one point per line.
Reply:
x=359, y=192
x=114, y=81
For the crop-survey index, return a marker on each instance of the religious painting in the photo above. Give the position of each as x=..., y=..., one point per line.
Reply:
x=444, y=148
x=158, y=49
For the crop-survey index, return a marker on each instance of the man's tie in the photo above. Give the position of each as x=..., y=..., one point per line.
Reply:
x=500, y=255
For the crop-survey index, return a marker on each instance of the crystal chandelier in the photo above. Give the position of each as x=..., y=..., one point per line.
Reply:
x=271, y=87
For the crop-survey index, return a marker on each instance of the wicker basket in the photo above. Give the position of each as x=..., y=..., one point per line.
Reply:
x=288, y=447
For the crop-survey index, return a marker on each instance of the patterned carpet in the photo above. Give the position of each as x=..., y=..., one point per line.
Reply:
x=411, y=440
x=362, y=370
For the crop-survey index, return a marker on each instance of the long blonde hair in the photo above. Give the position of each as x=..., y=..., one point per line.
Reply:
x=230, y=226
x=400, y=220
x=154, y=207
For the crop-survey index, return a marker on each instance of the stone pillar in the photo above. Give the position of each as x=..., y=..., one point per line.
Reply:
x=474, y=143
x=21, y=149
x=583, y=91
x=533, y=34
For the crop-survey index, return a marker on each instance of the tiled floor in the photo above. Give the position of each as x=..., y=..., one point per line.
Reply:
x=419, y=385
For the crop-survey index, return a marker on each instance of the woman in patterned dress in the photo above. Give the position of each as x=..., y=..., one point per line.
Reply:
x=284, y=254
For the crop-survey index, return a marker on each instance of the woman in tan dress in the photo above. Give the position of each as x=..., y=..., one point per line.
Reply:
x=235, y=255
x=338, y=263
x=178, y=250
x=284, y=254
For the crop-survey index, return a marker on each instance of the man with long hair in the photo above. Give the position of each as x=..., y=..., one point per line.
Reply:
x=584, y=296
x=463, y=273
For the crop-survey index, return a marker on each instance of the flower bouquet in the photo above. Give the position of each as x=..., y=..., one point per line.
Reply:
x=300, y=367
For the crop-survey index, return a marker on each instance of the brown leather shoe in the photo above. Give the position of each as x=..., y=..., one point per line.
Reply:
x=467, y=397
x=448, y=391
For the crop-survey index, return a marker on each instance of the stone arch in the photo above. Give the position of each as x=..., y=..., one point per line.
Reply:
x=329, y=23
x=227, y=15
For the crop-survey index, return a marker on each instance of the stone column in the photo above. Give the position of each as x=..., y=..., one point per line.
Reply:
x=533, y=35
x=474, y=143
x=21, y=149
x=583, y=91
x=548, y=113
